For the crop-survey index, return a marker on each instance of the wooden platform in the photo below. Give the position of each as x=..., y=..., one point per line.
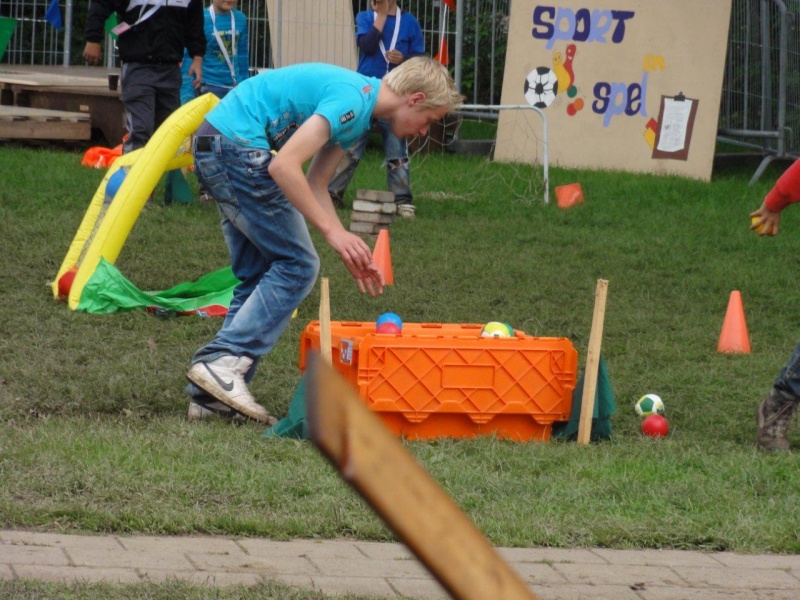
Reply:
x=69, y=91
x=18, y=122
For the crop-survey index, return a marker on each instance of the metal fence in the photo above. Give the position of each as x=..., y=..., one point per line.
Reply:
x=761, y=89
x=34, y=41
x=476, y=36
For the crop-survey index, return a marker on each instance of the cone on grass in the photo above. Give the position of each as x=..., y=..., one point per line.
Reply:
x=382, y=257
x=734, y=338
x=569, y=195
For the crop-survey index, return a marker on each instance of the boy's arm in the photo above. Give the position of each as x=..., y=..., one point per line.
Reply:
x=194, y=33
x=766, y=220
x=286, y=169
x=369, y=31
x=187, y=88
x=99, y=11
x=786, y=190
x=417, y=42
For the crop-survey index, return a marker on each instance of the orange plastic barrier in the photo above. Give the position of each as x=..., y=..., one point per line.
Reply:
x=99, y=157
x=445, y=380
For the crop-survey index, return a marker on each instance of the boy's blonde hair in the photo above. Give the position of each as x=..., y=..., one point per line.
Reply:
x=423, y=74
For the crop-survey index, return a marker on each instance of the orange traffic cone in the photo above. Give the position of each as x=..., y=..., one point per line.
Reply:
x=382, y=258
x=734, y=337
x=569, y=195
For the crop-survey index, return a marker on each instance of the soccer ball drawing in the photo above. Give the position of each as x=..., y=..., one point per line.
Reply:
x=649, y=404
x=541, y=87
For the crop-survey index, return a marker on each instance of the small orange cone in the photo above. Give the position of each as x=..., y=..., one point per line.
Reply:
x=569, y=195
x=734, y=337
x=382, y=258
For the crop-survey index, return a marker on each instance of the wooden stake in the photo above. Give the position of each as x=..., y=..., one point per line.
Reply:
x=374, y=462
x=325, y=322
x=592, y=363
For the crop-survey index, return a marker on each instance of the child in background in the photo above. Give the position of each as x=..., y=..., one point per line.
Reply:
x=227, y=59
x=779, y=406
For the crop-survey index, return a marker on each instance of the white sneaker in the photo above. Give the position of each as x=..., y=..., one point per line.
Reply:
x=223, y=378
x=199, y=411
x=407, y=211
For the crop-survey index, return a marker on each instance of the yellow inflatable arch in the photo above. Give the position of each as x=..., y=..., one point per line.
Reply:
x=104, y=237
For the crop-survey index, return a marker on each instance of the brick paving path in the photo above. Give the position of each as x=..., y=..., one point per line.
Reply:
x=389, y=570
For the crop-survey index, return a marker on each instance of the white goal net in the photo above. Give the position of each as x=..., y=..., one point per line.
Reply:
x=483, y=150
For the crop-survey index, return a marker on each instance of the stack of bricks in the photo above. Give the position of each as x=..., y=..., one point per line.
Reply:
x=373, y=210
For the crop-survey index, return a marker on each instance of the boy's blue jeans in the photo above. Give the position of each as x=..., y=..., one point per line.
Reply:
x=270, y=247
x=398, y=176
x=788, y=382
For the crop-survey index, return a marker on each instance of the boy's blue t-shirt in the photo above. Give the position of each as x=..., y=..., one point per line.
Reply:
x=264, y=111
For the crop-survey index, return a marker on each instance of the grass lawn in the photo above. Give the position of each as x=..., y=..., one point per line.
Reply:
x=93, y=434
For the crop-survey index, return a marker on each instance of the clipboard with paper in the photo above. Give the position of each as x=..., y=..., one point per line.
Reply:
x=676, y=117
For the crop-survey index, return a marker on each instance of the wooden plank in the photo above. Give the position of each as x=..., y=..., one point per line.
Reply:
x=325, y=344
x=13, y=112
x=405, y=496
x=592, y=363
x=18, y=122
x=51, y=79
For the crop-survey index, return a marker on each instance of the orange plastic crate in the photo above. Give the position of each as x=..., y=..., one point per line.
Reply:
x=445, y=380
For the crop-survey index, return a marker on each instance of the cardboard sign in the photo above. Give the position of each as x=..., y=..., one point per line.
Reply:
x=625, y=85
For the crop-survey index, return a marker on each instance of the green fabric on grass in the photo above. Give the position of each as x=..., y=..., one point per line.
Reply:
x=294, y=424
x=604, y=407
x=108, y=291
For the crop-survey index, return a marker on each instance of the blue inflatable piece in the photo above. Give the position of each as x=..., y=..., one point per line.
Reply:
x=113, y=183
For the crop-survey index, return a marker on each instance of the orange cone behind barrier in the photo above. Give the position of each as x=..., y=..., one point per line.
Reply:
x=569, y=195
x=382, y=257
x=734, y=337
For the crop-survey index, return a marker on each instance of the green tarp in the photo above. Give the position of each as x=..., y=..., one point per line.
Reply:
x=108, y=291
x=604, y=407
x=294, y=424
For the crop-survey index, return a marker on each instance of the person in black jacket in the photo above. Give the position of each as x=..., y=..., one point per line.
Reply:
x=152, y=35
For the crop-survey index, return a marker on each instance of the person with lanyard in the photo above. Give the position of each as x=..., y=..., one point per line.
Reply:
x=386, y=37
x=151, y=37
x=227, y=57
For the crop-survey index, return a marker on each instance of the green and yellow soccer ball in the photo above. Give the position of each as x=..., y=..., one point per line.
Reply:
x=496, y=329
x=649, y=404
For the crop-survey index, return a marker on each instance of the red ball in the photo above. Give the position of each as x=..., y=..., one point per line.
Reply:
x=388, y=327
x=65, y=283
x=655, y=426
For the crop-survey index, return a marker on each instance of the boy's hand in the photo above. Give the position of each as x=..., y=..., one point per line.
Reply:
x=92, y=52
x=394, y=56
x=765, y=222
x=357, y=257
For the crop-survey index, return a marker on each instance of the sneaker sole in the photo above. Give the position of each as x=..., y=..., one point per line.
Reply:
x=201, y=412
x=199, y=376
